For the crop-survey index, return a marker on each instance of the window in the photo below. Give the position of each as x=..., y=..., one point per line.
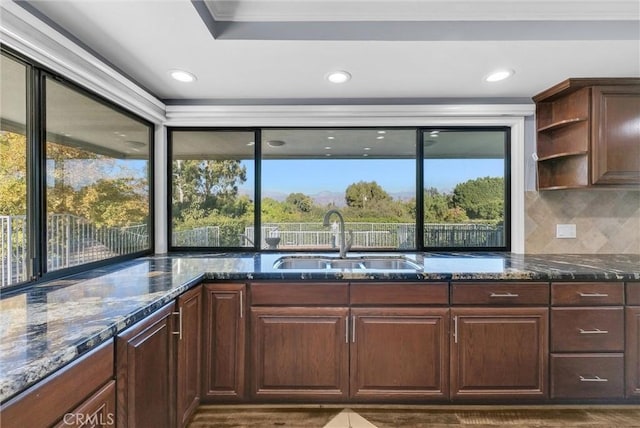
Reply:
x=14, y=196
x=367, y=174
x=465, y=188
x=270, y=188
x=97, y=179
x=212, y=188
x=75, y=177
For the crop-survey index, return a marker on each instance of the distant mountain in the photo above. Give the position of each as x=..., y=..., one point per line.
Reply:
x=403, y=196
x=326, y=198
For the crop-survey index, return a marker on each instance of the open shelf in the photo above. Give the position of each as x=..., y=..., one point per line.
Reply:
x=562, y=123
x=564, y=172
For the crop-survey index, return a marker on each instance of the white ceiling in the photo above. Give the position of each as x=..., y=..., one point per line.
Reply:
x=397, y=51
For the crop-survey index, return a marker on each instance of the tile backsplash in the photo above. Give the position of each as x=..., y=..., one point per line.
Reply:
x=607, y=221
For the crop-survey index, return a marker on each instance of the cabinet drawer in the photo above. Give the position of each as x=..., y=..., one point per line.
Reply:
x=633, y=293
x=299, y=293
x=587, y=376
x=384, y=293
x=587, y=293
x=500, y=293
x=587, y=329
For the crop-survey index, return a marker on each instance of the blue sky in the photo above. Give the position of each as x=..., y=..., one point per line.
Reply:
x=394, y=175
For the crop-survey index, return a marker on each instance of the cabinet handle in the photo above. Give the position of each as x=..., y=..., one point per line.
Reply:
x=346, y=329
x=592, y=294
x=455, y=329
x=593, y=379
x=503, y=295
x=594, y=331
x=353, y=328
x=241, y=304
x=179, y=332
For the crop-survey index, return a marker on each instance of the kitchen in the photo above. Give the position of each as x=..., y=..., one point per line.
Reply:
x=587, y=235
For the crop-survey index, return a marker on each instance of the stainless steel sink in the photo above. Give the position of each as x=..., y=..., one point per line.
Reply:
x=351, y=263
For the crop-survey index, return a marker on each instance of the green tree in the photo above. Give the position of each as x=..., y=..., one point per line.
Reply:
x=363, y=194
x=300, y=202
x=204, y=186
x=13, y=174
x=481, y=198
x=112, y=203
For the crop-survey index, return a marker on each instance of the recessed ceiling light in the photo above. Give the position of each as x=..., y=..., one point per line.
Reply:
x=338, y=76
x=328, y=154
x=275, y=143
x=499, y=75
x=251, y=143
x=367, y=148
x=327, y=148
x=382, y=132
x=182, y=76
x=380, y=137
x=331, y=138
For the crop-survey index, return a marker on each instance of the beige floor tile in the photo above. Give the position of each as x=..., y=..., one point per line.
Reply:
x=349, y=419
x=341, y=420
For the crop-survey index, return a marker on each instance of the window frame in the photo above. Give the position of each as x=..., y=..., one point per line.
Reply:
x=36, y=174
x=419, y=158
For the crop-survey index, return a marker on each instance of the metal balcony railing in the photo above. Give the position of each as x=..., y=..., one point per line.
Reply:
x=71, y=241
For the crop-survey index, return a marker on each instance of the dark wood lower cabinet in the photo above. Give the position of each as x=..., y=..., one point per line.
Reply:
x=145, y=372
x=300, y=353
x=224, y=343
x=399, y=354
x=587, y=376
x=97, y=411
x=499, y=353
x=632, y=352
x=189, y=355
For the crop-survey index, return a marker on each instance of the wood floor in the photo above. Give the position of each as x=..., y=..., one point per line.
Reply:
x=415, y=416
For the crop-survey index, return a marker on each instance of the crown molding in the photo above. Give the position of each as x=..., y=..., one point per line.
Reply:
x=341, y=115
x=35, y=39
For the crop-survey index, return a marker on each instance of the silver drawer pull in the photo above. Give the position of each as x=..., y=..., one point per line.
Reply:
x=594, y=331
x=593, y=294
x=593, y=379
x=503, y=295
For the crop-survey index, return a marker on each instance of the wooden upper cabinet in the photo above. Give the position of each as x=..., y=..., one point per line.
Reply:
x=616, y=134
x=588, y=134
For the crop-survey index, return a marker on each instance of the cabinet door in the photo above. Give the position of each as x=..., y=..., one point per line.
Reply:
x=300, y=353
x=616, y=135
x=399, y=354
x=499, y=353
x=99, y=410
x=189, y=373
x=145, y=370
x=632, y=353
x=224, y=342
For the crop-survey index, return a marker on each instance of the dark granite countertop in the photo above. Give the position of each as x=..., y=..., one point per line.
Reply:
x=51, y=324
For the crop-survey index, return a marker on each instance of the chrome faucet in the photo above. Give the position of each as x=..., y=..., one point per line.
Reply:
x=344, y=245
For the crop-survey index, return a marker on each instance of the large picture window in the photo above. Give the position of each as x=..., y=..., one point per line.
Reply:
x=369, y=175
x=212, y=188
x=14, y=231
x=97, y=180
x=465, y=188
x=395, y=188
x=75, y=177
